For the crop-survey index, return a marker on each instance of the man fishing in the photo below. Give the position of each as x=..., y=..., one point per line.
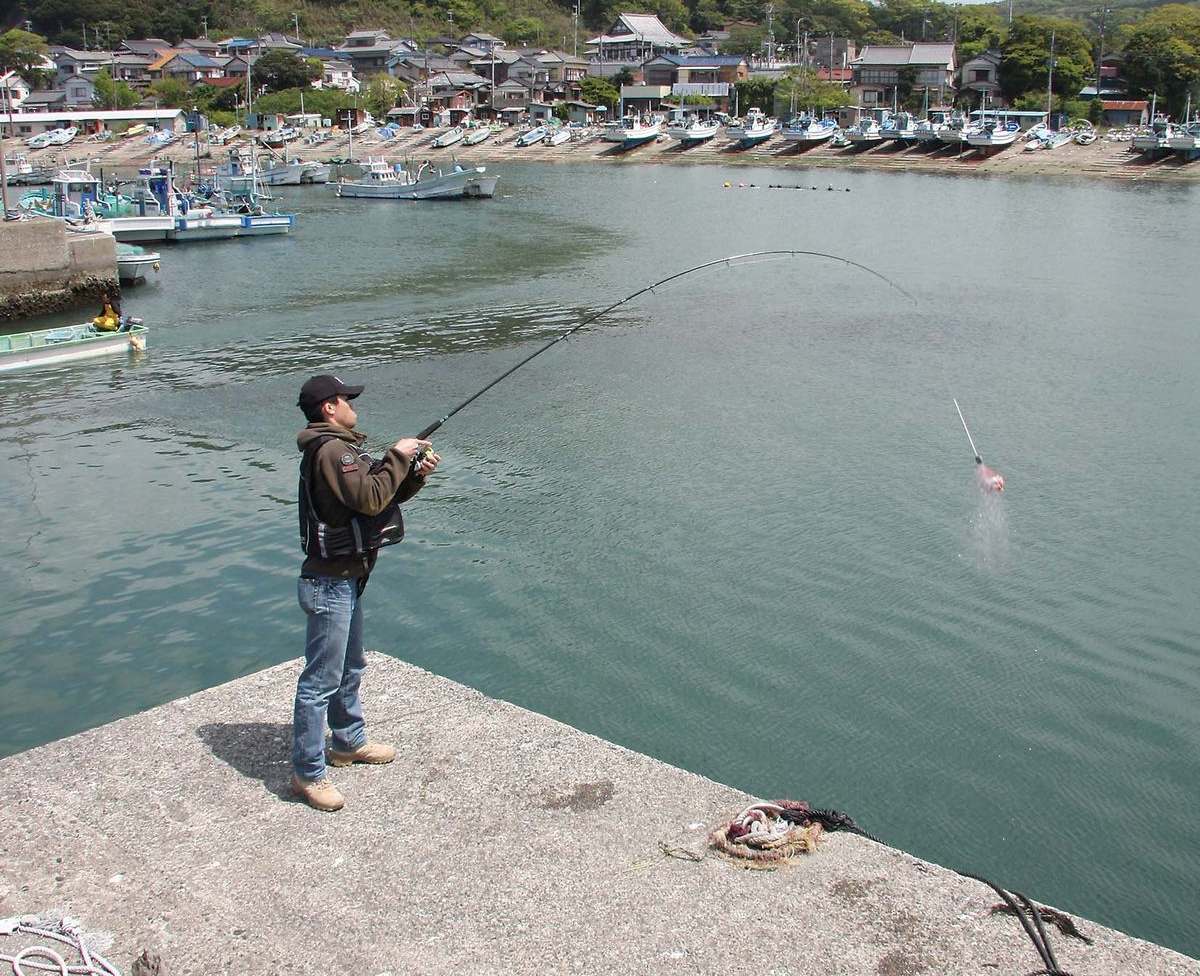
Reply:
x=349, y=509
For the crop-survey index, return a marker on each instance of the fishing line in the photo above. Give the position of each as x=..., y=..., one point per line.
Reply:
x=988, y=479
x=744, y=259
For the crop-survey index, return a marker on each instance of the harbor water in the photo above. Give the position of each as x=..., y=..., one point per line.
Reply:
x=732, y=525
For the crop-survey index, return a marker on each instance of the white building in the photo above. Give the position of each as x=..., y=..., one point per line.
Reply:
x=337, y=74
x=13, y=91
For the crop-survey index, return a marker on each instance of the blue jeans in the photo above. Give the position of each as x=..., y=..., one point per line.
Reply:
x=328, y=686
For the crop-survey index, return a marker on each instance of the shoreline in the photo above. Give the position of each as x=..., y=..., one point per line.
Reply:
x=1101, y=160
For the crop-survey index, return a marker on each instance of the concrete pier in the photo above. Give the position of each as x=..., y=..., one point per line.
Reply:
x=500, y=841
x=44, y=267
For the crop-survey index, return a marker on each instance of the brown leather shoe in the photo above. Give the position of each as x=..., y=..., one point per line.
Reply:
x=320, y=795
x=375, y=753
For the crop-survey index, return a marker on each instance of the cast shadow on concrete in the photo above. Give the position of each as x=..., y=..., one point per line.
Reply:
x=257, y=750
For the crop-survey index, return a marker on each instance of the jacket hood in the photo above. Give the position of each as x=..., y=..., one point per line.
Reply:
x=324, y=429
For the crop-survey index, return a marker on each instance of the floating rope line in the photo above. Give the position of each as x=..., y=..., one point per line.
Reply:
x=83, y=949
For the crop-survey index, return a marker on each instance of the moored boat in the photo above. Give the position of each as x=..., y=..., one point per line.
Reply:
x=993, y=133
x=134, y=263
x=533, y=136
x=22, y=349
x=899, y=127
x=806, y=129
x=476, y=136
x=383, y=182
x=926, y=131
x=754, y=129
x=631, y=132
x=449, y=138
x=865, y=131
x=692, y=131
x=558, y=136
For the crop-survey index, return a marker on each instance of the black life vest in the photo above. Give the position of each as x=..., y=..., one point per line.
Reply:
x=361, y=533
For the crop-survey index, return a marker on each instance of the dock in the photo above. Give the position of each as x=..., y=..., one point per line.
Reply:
x=500, y=841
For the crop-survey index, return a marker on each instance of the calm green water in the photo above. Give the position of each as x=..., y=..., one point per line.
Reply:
x=732, y=526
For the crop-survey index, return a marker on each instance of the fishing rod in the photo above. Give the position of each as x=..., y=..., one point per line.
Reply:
x=727, y=261
x=978, y=459
x=988, y=479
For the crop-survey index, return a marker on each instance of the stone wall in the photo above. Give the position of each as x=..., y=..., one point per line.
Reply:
x=46, y=267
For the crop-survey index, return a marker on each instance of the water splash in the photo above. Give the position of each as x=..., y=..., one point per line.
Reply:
x=987, y=529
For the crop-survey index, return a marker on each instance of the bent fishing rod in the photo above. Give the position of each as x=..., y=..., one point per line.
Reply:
x=727, y=261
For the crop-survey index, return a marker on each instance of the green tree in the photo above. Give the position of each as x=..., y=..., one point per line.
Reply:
x=171, y=93
x=1162, y=54
x=113, y=94
x=706, y=15
x=756, y=93
x=599, y=91
x=673, y=13
x=807, y=93
x=382, y=94
x=979, y=29
x=21, y=51
x=623, y=77
x=523, y=30
x=280, y=69
x=1026, y=54
x=746, y=41
x=913, y=19
x=843, y=18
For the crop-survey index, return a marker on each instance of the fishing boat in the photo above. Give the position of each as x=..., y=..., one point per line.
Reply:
x=1084, y=131
x=476, y=136
x=60, y=137
x=22, y=349
x=632, y=131
x=238, y=174
x=993, y=134
x=17, y=168
x=865, y=132
x=134, y=263
x=693, y=130
x=558, y=136
x=314, y=172
x=954, y=131
x=754, y=129
x=282, y=173
x=449, y=138
x=41, y=140
x=1042, y=136
x=278, y=137
x=926, y=131
x=135, y=130
x=533, y=136
x=808, y=130
x=899, y=127
x=383, y=182
x=1155, y=137
x=1186, y=138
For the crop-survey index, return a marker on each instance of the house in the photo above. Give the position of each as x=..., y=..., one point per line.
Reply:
x=201, y=44
x=131, y=68
x=580, y=112
x=47, y=100
x=13, y=91
x=236, y=66
x=191, y=67
x=339, y=75
x=708, y=75
x=1126, y=112
x=880, y=71
x=456, y=92
x=495, y=66
x=415, y=67
x=1112, y=86
x=980, y=77
x=369, y=51
x=482, y=42
x=634, y=39
x=79, y=92
x=154, y=70
x=509, y=95
x=562, y=68
x=529, y=72
x=837, y=52
x=146, y=46
x=643, y=98
x=71, y=63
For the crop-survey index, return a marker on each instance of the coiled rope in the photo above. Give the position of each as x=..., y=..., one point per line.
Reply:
x=84, y=957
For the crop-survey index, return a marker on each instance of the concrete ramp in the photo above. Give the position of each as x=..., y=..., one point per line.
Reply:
x=499, y=842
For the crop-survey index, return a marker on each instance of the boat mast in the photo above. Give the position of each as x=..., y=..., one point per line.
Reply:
x=1050, y=82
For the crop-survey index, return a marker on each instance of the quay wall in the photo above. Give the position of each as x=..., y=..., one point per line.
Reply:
x=499, y=842
x=44, y=267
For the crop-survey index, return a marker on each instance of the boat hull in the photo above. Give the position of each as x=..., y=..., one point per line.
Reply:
x=692, y=135
x=48, y=346
x=451, y=186
x=134, y=267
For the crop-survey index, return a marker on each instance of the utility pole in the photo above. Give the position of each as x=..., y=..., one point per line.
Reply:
x=770, y=35
x=1050, y=82
x=576, y=29
x=296, y=25
x=1104, y=11
x=1010, y=3
x=3, y=173
x=204, y=26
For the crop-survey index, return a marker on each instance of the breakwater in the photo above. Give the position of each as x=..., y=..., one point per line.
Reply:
x=47, y=267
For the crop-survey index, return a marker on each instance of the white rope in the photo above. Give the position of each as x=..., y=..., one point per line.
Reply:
x=63, y=929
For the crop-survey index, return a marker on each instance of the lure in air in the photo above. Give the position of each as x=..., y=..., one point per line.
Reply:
x=989, y=480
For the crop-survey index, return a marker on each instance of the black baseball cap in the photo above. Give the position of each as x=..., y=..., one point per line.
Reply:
x=318, y=389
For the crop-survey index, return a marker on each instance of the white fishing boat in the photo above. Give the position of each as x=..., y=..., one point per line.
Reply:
x=449, y=138
x=755, y=129
x=314, y=172
x=864, y=132
x=238, y=174
x=476, y=136
x=1084, y=132
x=23, y=349
x=278, y=137
x=558, y=136
x=1154, y=137
x=693, y=130
x=808, y=130
x=632, y=131
x=533, y=136
x=954, y=132
x=900, y=128
x=1186, y=138
x=42, y=139
x=926, y=131
x=134, y=263
x=993, y=133
x=383, y=182
x=60, y=137
x=17, y=168
x=1042, y=136
x=282, y=173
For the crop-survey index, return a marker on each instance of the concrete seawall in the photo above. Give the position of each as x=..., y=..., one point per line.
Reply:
x=500, y=841
x=44, y=267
